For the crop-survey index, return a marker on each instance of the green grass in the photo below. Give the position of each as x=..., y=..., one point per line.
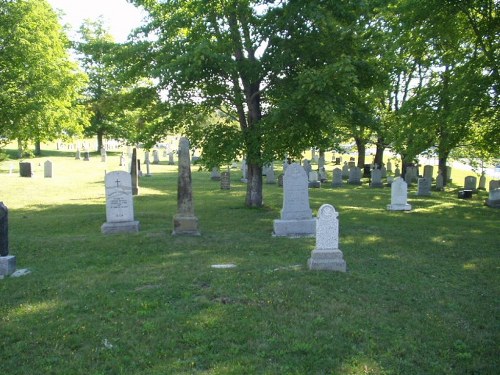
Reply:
x=421, y=295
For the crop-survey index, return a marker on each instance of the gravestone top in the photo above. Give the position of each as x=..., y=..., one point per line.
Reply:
x=4, y=230
x=296, y=195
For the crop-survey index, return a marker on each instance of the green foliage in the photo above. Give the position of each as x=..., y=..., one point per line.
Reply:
x=40, y=86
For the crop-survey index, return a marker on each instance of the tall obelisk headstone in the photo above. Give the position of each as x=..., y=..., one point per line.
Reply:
x=134, y=174
x=185, y=221
x=7, y=262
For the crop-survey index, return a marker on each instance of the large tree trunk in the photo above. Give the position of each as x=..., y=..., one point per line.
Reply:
x=20, y=148
x=100, y=136
x=254, y=196
x=38, y=148
x=361, y=145
x=379, y=153
x=443, y=158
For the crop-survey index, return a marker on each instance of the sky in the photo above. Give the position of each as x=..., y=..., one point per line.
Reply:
x=119, y=16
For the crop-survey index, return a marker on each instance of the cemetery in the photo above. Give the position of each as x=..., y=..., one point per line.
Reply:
x=234, y=298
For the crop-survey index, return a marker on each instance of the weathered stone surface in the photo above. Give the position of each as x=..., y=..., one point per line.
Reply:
x=354, y=176
x=470, y=183
x=296, y=214
x=134, y=173
x=4, y=230
x=326, y=255
x=185, y=222
x=399, y=196
x=25, y=169
x=494, y=198
x=225, y=180
x=376, y=178
x=424, y=186
x=337, y=178
x=7, y=265
x=47, y=169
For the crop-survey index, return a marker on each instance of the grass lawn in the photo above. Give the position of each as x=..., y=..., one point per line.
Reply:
x=421, y=295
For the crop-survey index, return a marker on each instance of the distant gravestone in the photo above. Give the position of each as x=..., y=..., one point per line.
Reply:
x=351, y=164
x=494, y=198
x=185, y=222
x=225, y=181
x=439, y=181
x=296, y=215
x=376, y=178
x=482, y=182
x=119, y=204
x=355, y=176
x=397, y=172
x=338, y=161
x=408, y=177
x=470, y=183
x=146, y=157
x=389, y=166
x=337, y=178
x=321, y=162
x=428, y=172
x=171, y=158
x=345, y=170
x=78, y=154
x=133, y=173
x=7, y=262
x=424, y=186
x=314, y=180
x=307, y=167
x=390, y=180
x=383, y=171
x=322, y=175
x=104, y=155
x=399, y=196
x=280, y=179
x=47, y=169
x=25, y=169
x=244, y=170
x=87, y=156
x=326, y=255
x=148, y=168
x=494, y=184
x=270, y=176
x=215, y=174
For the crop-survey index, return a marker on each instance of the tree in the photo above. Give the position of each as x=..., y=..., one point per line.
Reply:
x=280, y=71
x=40, y=86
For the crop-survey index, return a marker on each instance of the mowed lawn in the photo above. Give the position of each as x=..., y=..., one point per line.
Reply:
x=421, y=295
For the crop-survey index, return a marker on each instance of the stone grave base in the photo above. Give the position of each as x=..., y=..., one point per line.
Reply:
x=7, y=265
x=186, y=225
x=399, y=207
x=314, y=184
x=294, y=228
x=337, y=185
x=493, y=203
x=376, y=185
x=327, y=260
x=122, y=227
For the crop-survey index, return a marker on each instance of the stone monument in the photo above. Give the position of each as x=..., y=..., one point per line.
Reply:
x=493, y=198
x=354, y=176
x=326, y=255
x=296, y=215
x=424, y=186
x=7, y=262
x=376, y=178
x=399, y=196
x=185, y=221
x=133, y=173
x=47, y=169
x=337, y=178
x=119, y=204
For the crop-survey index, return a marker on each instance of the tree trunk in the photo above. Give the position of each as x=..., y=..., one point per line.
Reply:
x=443, y=158
x=38, y=148
x=361, y=145
x=254, y=196
x=100, y=135
x=20, y=148
x=379, y=153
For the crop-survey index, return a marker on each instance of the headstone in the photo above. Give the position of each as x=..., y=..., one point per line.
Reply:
x=270, y=176
x=148, y=168
x=296, y=215
x=47, y=169
x=355, y=176
x=119, y=204
x=494, y=198
x=424, y=187
x=390, y=180
x=397, y=172
x=225, y=181
x=171, y=158
x=494, y=184
x=322, y=176
x=389, y=166
x=482, y=182
x=338, y=161
x=307, y=167
x=345, y=170
x=280, y=180
x=87, y=156
x=104, y=155
x=78, y=154
x=146, y=157
x=428, y=172
x=408, y=176
x=399, y=196
x=376, y=178
x=133, y=173
x=244, y=170
x=25, y=169
x=470, y=183
x=439, y=181
x=383, y=171
x=215, y=174
x=326, y=255
x=337, y=178
x=351, y=164
x=156, y=157
x=465, y=194
x=185, y=222
x=7, y=262
x=367, y=170
x=313, y=180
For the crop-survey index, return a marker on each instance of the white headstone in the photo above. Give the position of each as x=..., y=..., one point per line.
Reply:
x=424, y=186
x=399, y=196
x=337, y=177
x=296, y=215
x=47, y=169
x=326, y=255
x=119, y=204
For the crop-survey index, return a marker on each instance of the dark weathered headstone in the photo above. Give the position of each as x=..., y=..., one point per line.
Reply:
x=133, y=173
x=185, y=221
x=225, y=181
x=25, y=169
x=4, y=230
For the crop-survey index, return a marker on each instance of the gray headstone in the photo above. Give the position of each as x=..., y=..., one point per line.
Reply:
x=439, y=181
x=337, y=178
x=494, y=184
x=494, y=198
x=185, y=221
x=428, y=172
x=314, y=180
x=345, y=170
x=156, y=157
x=307, y=167
x=25, y=169
x=389, y=166
x=4, y=230
x=244, y=170
x=104, y=155
x=376, y=178
x=326, y=255
x=47, y=169
x=424, y=186
x=225, y=181
x=470, y=183
x=77, y=154
x=134, y=173
x=408, y=176
x=355, y=176
x=296, y=215
x=397, y=172
x=482, y=182
x=399, y=196
x=383, y=170
x=215, y=174
x=119, y=204
x=270, y=176
x=171, y=158
x=448, y=174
